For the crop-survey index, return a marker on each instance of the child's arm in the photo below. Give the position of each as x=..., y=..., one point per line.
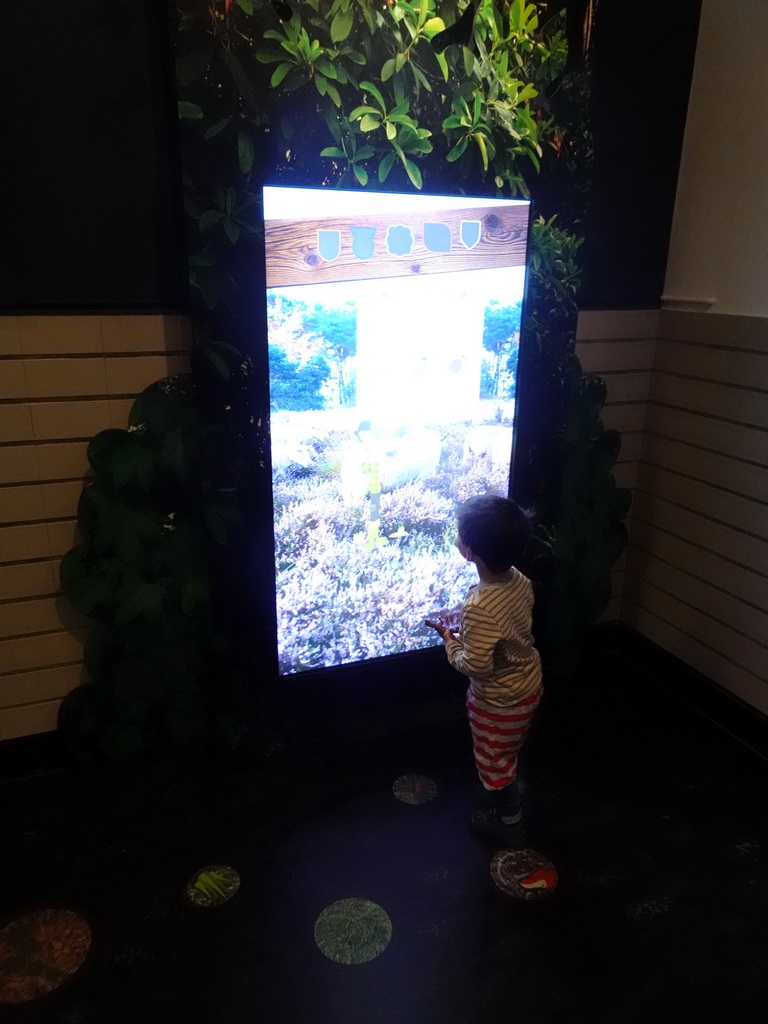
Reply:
x=472, y=654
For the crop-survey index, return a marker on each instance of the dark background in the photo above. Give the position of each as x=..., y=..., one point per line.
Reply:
x=89, y=179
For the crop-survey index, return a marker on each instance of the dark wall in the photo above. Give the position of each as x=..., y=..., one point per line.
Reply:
x=88, y=182
x=642, y=69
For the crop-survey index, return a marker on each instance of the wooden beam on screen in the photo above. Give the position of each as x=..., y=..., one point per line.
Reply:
x=293, y=257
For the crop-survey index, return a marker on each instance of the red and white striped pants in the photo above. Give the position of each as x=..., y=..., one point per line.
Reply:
x=498, y=735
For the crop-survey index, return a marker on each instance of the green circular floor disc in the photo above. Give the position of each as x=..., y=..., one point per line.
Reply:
x=213, y=886
x=353, y=931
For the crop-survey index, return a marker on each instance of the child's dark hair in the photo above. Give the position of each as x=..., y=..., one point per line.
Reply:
x=495, y=528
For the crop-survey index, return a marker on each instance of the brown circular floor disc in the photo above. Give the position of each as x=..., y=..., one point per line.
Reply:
x=39, y=952
x=524, y=874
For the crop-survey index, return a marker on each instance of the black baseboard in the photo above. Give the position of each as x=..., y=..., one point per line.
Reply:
x=742, y=721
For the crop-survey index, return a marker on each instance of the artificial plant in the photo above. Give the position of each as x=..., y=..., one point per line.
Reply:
x=158, y=490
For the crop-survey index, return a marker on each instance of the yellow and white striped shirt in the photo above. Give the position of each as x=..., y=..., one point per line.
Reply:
x=495, y=645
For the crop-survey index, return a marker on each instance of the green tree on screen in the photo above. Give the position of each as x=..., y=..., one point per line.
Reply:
x=501, y=337
x=293, y=386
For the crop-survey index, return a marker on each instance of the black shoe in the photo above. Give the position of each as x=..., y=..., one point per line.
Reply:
x=488, y=826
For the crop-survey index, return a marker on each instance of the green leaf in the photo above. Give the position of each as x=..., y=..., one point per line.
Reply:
x=232, y=231
x=469, y=60
x=364, y=109
x=387, y=70
x=361, y=174
x=371, y=88
x=279, y=74
x=386, y=166
x=245, y=151
x=333, y=151
x=391, y=130
x=341, y=26
x=333, y=93
x=413, y=173
x=480, y=140
x=458, y=150
x=140, y=599
x=364, y=153
x=132, y=462
x=432, y=26
x=208, y=220
x=321, y=83
x=216, y=128
x=399, y=61
x=245, y=5
x=189, y=111
x=368, y=123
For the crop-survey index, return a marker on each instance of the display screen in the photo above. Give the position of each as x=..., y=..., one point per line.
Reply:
x=393, y=333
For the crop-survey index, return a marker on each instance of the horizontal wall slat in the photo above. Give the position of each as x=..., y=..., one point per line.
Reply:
x=631, y=447
x=29, y=463
x=15, y=424
x=29, y=720
x=616, y=324
x=688, y=524
x=741, y=650
x=59, y=335
x=65, y=378
x=82, y=335
x=624, y=418
x=13, y=380
x=705, y=659
x=29, y=579
x=707, y=598
x=709, y=399
x=169, y=333
x=723, y=366
x=41, y=615
x=10, y=336
x=704, y=564
x=628, y=387
x=44, y=684
x=33, y=502
x=707, y=466
x=129, y=375
x=750, y=332
x=32, y=652
x=603, y=356
x=746, y=515
x=729, y=438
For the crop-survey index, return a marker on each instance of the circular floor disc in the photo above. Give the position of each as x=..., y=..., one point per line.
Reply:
x=524, y=874
x=39, y=952
x=414, y=789
x=213, y=886
x=353, y=931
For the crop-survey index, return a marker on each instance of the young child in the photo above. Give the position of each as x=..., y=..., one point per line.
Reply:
x=494, y=647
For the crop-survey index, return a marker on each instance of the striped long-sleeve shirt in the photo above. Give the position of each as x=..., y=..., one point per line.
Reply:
x=495, y=646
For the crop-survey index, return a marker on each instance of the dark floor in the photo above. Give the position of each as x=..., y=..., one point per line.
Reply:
x=654, y=818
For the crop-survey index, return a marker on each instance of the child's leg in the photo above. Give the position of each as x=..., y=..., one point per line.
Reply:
x=498, y=735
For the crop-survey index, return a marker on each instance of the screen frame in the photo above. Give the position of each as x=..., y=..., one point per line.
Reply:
x=414, y=664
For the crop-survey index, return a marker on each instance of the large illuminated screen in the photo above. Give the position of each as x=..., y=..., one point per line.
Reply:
x=393, y=332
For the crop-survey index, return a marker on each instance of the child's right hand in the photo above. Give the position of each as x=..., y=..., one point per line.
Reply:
x=451, y=617
x=441, y=627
